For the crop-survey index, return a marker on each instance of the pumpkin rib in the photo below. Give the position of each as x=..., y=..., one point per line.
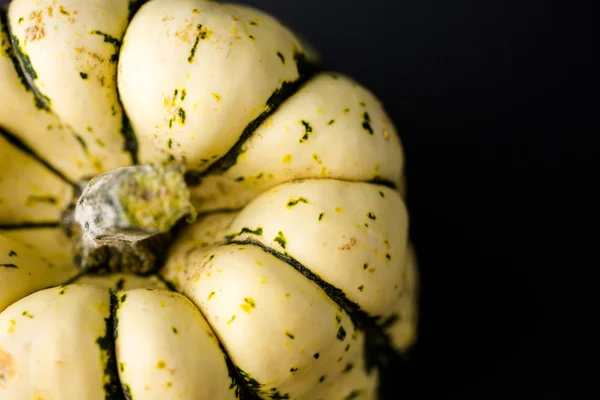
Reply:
x=98, y=139
x=38, y=129
x=374, y=331
x=142, y=366
x=66, y=360
x=306, y=71
x=242, y=391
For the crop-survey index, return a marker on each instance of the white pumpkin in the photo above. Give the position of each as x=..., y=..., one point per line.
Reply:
x=119, y=123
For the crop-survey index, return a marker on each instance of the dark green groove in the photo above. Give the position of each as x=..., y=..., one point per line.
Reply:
x=378, y=350
x=243, y=389
x=74, y=279
x=15, y=141
x=38, y=99
x=130, y=143
x=112, y=385
x=23, y=67
x=134, y=6
x=383, y=182
x=29, y=225
x=306, y=70
x=113, y=41
x=167, y=283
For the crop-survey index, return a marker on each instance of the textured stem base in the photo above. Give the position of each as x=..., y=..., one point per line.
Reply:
x=122, y=220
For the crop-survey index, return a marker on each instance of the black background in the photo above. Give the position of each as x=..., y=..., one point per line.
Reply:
x=490, y=98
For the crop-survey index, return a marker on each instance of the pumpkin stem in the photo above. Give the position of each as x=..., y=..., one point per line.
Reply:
x=123, y=218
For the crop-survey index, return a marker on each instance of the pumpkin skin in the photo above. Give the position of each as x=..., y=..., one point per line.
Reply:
x=300, y=258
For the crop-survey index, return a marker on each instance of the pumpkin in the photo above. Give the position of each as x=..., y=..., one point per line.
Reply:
x=192, y=207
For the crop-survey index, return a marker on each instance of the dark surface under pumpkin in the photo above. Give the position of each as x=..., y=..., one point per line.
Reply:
x=477, y=91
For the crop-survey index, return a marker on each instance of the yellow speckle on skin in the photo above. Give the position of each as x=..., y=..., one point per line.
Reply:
x=324, y=171
x=248, y=305
x=162, y=304
x=234, y=32
x=161, y=364
x=231, y=320
x=348, y=246
x=185, y=34
x=287, y=158
x=11, y=326
x=169, y=384
x=263, y=281
x=339, y=209
x=216, y=96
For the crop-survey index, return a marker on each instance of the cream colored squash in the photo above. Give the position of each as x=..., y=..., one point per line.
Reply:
x=292, y=274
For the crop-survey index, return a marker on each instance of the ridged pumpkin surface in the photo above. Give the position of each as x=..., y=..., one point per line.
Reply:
x=297, y=279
